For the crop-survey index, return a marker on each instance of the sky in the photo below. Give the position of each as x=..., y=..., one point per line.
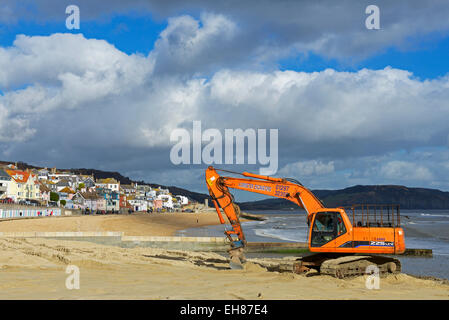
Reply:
x=352, y=105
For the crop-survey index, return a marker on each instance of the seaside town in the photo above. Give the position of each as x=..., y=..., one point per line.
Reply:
x=64, y=189
x=226, y=155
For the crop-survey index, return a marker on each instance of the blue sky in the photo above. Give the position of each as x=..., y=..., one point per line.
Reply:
x=426, y=61
x=145, y=68
x=129, y=33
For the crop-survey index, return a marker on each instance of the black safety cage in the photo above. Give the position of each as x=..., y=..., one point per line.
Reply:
x=374, y=215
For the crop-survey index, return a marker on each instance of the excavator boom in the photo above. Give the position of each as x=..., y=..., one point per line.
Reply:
x=274, y=187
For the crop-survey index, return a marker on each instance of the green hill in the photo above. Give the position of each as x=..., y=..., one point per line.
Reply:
x=407, y=198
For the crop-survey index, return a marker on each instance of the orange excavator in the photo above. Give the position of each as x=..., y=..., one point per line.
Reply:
x=343, y=241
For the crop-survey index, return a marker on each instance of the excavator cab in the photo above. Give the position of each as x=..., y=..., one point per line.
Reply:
x=326, y=226
x=357, y=229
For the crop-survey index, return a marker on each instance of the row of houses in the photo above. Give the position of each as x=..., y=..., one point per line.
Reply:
x=78, y=191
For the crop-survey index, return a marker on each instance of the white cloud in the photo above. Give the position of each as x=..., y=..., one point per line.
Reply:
x=191, y=45
x=403, y=171
x=70, y=61
x=13, y=128
x=331, y=106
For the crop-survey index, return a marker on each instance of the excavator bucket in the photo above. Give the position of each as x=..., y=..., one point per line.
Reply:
x=237, y=258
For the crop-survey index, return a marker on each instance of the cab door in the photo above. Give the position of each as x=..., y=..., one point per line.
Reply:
x=323, y=230
x=327, y=226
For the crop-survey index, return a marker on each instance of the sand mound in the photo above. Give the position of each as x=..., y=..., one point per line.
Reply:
x=253, y=267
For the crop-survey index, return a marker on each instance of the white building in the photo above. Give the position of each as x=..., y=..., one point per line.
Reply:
x=108, y=183
x=163, y=191
x=182, y=200
x=42, y=174
x=138, y=204
x=167, y=200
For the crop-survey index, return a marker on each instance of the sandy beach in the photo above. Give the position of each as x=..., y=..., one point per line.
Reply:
x=35, y=268
x=136, y=224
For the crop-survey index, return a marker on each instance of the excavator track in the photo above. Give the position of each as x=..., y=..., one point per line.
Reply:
x=347, y=265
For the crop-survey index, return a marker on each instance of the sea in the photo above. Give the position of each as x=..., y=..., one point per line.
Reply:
x=423, y=229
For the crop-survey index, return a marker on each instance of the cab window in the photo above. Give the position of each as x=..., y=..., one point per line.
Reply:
x=341, y=229
x=326, y=227
x=324, y=222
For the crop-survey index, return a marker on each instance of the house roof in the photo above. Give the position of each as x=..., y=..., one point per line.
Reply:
x=43, y=188
x=18, y=176
x=63, y=183
x=107, y=180
x=89, y=195
x=67, y=190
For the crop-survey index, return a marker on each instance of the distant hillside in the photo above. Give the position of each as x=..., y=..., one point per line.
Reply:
x=407, y=198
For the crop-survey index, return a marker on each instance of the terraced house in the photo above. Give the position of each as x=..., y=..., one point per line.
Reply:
x=23, y=185
x=108, y=183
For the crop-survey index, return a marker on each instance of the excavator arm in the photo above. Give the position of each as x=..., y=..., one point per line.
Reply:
x=276, y=187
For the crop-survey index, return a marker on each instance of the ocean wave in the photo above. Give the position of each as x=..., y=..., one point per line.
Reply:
x=434, y=215
x=281, y=234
